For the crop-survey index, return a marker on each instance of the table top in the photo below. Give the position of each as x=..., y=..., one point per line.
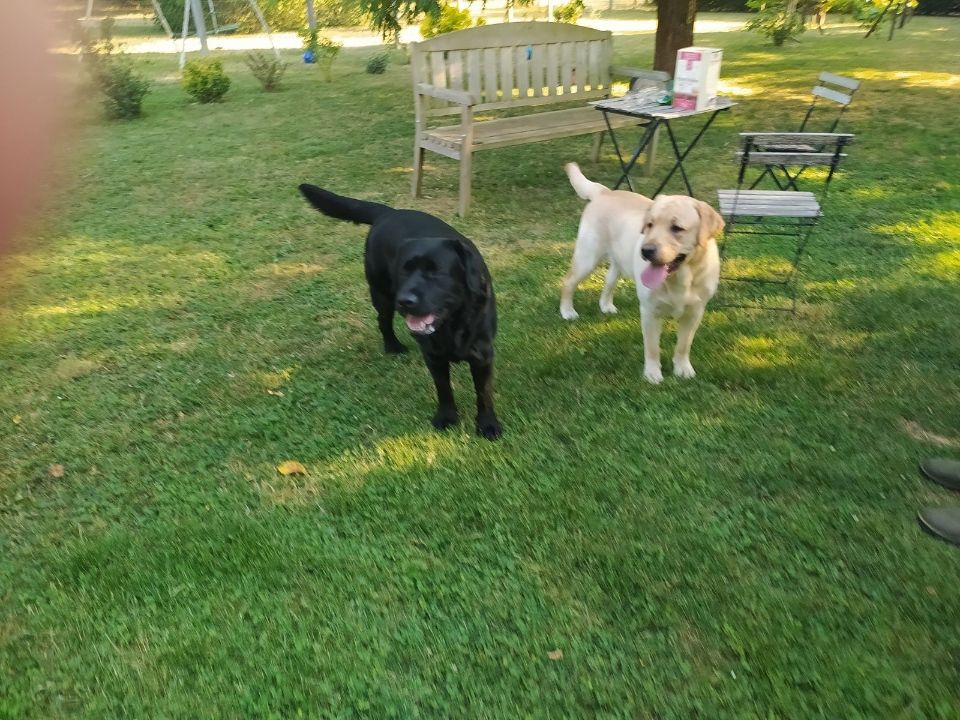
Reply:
x=640, y=105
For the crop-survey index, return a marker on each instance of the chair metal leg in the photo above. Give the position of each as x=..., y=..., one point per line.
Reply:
x=790, y=281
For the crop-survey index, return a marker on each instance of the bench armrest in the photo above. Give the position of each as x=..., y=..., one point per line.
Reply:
x=456, y=96
x=650, y=77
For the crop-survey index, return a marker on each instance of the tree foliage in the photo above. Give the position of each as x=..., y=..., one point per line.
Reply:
x=779, y=20
x=448, y=20
x=388, y=16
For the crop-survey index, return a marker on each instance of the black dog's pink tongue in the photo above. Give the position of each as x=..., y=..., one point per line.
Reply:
x=419, y=323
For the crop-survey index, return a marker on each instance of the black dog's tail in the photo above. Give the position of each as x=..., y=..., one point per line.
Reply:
x=343, y=208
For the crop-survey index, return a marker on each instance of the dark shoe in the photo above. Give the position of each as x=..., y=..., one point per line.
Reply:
x=942, y=522
x=943, y=471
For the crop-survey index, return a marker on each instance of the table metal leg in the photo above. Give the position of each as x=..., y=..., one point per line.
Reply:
x=678, y=166
x=683, y=156
x=616, y=146
x=644, y=141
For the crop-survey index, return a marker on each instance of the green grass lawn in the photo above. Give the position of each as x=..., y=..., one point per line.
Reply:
x=739, y=545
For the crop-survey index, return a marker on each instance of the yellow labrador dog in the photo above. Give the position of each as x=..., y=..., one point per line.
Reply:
x=666, y=245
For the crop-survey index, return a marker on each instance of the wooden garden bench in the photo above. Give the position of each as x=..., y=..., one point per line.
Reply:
x=548, y=71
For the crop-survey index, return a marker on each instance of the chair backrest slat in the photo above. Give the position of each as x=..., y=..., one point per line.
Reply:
x=789, y=158
x=835, y=88
x=844, y=82
x=797, y=138
x=828, y=152
x=829, y=94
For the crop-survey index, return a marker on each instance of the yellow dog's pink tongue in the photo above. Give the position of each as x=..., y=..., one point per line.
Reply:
x=653, y=276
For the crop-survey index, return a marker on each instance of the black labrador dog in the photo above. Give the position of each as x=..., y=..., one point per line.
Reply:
x=435, y=278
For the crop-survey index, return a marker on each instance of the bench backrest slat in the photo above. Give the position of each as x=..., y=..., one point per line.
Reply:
x=438, y=70
x=490, y=60
x=515, y=64
x=505, y=84
x=474, y=62
x=455, y=69
x=536, y=72
x=553, y=68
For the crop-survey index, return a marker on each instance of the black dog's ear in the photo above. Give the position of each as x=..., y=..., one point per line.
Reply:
x=478, y=282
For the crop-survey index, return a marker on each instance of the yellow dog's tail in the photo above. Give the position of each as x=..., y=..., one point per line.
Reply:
x=587, y=189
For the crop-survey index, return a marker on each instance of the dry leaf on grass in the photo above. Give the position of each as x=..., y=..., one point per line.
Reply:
x=56, y=471
x=278, y=393
x=555, y=654
x=291, y=467
x=17, y=419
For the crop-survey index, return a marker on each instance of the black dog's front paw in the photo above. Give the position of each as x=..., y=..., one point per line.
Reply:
x=489, y=427
x=394, y=347
x=445, y=417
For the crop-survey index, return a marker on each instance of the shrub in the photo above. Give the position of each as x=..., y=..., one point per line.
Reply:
x=447, y=20
x=106, y=28
x=378, y=63
x=122, y=87
x=292, y=14
x=938, y=7
x=867, y=12
x=311, y=41
x=320, y=50
x=400, y=55
x=775, y=21
x=173, y=12
x=268, y=70
x=722, y=6
x=205, y=80
x=569, y=12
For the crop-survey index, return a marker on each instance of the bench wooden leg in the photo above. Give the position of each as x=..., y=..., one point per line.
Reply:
x=417, y=169
x=466, y=159
x=597, y=142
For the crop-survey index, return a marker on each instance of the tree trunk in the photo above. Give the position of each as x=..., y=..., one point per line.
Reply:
x=674, y=31
x=311, y=15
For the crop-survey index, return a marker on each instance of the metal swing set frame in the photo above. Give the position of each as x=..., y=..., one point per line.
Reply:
x=193, y=9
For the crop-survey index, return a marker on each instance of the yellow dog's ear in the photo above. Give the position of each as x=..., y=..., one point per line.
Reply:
x=711, y=224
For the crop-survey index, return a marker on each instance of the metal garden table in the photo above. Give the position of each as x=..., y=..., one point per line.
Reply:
x=642, y=106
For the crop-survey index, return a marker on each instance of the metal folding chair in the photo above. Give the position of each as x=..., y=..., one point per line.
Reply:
x=831, y=98
x=790, y=214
